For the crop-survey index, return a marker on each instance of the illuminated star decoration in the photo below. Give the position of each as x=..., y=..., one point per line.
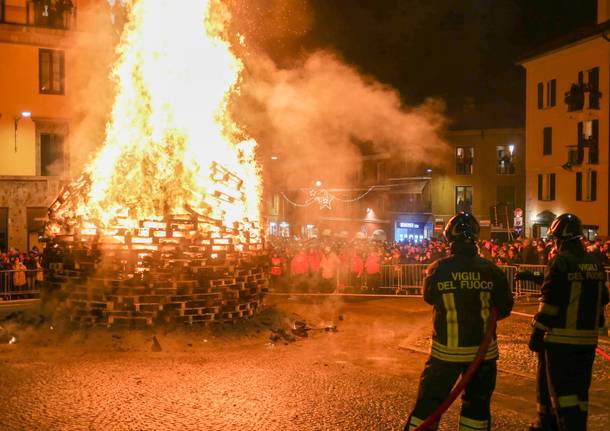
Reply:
x=322, y=197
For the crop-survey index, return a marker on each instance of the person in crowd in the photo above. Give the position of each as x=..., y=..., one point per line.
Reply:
x=299, y=270
x=19, y=278
x=512, y=257
x=460, y=287
x=277, y=270
x=542, y=253
x=372, y=266
x=329, y=264
x=565, y=329
x=29, y=261
x=357, y=269
x=529, y=255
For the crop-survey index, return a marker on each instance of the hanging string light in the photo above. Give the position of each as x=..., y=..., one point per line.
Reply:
x=323, y=198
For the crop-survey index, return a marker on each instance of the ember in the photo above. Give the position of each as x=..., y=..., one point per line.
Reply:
x=163, y=225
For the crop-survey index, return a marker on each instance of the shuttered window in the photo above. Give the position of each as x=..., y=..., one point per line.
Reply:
x=540, y=95
x=547, y=141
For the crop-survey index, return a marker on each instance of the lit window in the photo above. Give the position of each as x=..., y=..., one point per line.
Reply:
x=463, y=199
x=546, y=187
x=464, y=160
x=51, y=71
x=505, y=163
x=586, y=185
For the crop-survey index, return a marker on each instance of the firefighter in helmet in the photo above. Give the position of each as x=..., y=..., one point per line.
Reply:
x=463, y=288
x=565, y=329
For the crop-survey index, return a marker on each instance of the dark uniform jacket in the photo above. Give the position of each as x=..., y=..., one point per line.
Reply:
x=463, y=289
x=573, y=298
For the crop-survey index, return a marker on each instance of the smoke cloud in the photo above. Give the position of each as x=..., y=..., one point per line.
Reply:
x=311, y=110
x=90, y=92
x=322, y=110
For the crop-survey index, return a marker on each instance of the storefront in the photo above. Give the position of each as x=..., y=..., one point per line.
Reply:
x=413, y=227
x=541, y=224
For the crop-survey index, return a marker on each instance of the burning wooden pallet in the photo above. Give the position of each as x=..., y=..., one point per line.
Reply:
x=180, y=269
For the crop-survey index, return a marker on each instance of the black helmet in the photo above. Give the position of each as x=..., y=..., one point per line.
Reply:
x=462, y=227
x=566, y=227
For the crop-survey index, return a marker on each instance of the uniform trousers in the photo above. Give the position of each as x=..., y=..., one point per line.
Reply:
x=563, y=381
x=436, y=382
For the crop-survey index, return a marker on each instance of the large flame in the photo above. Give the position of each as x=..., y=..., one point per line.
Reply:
x=170, y=143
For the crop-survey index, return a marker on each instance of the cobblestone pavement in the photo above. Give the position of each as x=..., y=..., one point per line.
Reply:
x=363, y=377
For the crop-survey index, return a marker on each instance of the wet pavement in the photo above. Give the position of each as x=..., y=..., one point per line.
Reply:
x=362, y=377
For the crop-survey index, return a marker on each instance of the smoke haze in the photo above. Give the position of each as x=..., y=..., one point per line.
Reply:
x=322, y=110
x=309, y=111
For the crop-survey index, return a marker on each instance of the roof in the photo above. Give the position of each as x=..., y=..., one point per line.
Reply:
x=580, y=35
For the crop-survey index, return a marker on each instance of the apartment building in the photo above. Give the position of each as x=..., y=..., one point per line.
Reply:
x=566, y=129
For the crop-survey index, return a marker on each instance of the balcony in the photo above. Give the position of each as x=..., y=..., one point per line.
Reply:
x=578, y=154
x=583, y=101
x=52, y=14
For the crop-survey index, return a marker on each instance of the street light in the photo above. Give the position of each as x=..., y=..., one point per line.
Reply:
x=24, y=114
x=318, y=183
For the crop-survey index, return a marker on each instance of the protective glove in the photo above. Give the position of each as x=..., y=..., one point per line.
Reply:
x=536, y=277
x=536, y=343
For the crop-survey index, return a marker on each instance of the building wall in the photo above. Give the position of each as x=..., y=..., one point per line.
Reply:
x=21, y=183
x=485, y=178
x=564, y=65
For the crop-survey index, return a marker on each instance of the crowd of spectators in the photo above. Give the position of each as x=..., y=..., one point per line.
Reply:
x=321, y=264
x=19, y=272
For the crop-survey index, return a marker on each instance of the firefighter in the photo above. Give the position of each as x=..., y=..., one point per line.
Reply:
x=462, y=288
x=565, y=329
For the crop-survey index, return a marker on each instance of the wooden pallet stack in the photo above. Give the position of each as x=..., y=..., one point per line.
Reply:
x=183, y=268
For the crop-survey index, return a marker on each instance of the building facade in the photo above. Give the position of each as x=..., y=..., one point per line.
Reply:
x=566, y=129
x=43, y=98
x=35, y=48
x=380, y=201
x=484, y=177
x=391, y=199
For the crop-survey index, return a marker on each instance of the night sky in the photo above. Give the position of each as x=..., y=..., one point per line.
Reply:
x=447, y=48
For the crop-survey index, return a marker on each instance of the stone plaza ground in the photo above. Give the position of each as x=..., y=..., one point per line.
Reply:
x=363, y=376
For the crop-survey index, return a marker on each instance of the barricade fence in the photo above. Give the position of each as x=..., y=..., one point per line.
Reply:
x=20, y=284
x=401, y=279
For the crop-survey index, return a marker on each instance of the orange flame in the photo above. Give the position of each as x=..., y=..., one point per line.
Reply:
x=170, y=143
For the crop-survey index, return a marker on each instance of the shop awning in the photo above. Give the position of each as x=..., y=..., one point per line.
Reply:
x=410, y=187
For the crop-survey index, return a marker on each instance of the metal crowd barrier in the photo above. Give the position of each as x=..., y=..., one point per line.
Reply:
x=401, y=279
x=527, y=289
x=19, y=284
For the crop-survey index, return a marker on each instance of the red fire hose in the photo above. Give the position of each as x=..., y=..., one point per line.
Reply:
x=603, y=354
x=467, y=376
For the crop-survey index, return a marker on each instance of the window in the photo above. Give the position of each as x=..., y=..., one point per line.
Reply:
x=584, y=94
x=51, y=71
x=551, y=89
x=590, y=232
x=35, y=219
x=505, y=164
x=3, y=229
x=463, y=199
x=547, y=141
x=588, y=134
x=594, y=93
x=464, y=160
x=586, y=185
x=551, y=94
x=51, y=154
x=546, y=187
x=505, y=195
